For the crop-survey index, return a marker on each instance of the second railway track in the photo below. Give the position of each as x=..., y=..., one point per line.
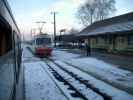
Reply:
x=80, y=87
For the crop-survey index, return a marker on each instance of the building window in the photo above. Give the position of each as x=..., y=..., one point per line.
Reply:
x=130, y=40
x=121, y=40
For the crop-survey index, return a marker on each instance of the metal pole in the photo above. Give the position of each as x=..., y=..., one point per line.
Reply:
x=54, y=29
x=54, y=13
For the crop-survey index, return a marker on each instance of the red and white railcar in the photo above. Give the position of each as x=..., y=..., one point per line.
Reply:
x=42, y=45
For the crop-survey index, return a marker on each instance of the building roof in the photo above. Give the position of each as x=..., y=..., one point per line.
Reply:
x=114, y=25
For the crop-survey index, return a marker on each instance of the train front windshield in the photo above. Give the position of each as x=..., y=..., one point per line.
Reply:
x=43, y=41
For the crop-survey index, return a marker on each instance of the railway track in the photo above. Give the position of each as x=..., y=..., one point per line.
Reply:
x=79, y=87
x=75, y=92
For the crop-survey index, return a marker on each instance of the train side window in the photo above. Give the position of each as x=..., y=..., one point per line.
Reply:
x=5, y=41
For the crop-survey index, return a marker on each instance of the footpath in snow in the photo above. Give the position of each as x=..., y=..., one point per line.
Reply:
x=120, y=78
x=38, y=85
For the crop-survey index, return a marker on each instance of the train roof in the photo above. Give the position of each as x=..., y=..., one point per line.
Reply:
x=7, y=16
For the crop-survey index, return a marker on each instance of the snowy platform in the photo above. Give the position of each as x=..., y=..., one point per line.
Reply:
x=38, y=85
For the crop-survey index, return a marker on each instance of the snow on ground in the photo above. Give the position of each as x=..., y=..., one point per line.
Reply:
x=57, y=54
x=27, y=56
x=38, y=85
x=116, y=94
x=103, y=70
x=26, y=53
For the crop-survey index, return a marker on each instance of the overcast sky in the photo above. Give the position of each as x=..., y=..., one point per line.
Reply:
x=27, y=12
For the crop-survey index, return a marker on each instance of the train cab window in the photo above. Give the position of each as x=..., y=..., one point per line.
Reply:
x=5, y=41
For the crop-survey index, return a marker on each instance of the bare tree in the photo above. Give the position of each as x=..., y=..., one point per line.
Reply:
x=105, y=8
x=96, y=10
x=86, y=13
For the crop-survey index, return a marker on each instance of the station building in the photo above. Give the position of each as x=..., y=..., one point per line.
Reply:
x=112, y=35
